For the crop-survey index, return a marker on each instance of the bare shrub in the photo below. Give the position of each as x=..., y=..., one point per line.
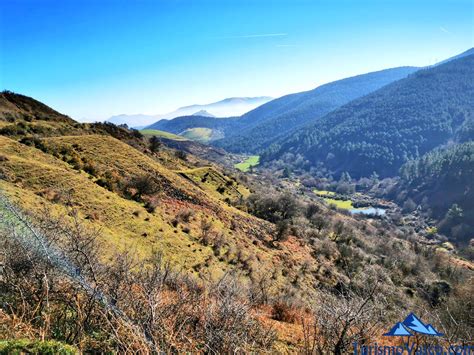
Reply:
x=206, y=227
x=455, y=316
x=340, y=319
x=54, y=282
x=228, y=322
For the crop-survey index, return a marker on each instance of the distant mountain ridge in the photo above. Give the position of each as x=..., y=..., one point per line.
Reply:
x=203, y=113
x=233, y=106
x=261, y=126
x=459, y=56
x=180, y=124
x=255, y=130
x=137, y=120
x=401, y=121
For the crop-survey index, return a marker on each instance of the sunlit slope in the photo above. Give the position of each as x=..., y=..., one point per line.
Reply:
x=14, y=107
x=35, y=180
x=198, y=134
x=161, y=134
x=216, y=184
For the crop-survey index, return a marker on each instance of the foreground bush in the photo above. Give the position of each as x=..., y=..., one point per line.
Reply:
x=23, y=346
x=54, y=282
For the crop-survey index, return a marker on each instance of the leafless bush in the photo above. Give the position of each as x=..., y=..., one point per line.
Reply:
x=53, y=280
x=228, y=323
x=339, y=320
x=206, y=228
x=260, y=287
x=455, y=316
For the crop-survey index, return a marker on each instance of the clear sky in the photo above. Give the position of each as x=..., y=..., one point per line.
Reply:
x=96, y=58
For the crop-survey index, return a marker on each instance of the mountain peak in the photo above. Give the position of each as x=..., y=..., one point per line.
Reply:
x=229, y=107
x=203, y=113
x=245, y=100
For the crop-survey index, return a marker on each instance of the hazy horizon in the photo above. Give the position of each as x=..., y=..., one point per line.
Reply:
x=95, y=60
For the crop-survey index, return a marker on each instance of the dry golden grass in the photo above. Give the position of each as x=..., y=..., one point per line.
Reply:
x=36, y=180
x=215, y=183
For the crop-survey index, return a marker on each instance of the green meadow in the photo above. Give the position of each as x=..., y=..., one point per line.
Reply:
x=251, y=161
x=163, y=134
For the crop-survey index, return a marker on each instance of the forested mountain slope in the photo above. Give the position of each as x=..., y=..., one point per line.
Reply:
x=443, y=181
x=381, y=131
x=259, y=127
x=470, y=51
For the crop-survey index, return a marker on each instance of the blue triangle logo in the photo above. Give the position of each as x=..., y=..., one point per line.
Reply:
x=412, y=324
x=433, y=331
x=415, y=324
x=398, y=330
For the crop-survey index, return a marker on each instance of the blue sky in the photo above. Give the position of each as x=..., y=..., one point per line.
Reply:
x=96, y=58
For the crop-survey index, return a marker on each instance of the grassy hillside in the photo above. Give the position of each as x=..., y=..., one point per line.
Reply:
x=41, y=179
x=15, y=107
x=200, y=150
x=180, y=124
x=381, y=131
x=216, y=184
x=171, y=220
